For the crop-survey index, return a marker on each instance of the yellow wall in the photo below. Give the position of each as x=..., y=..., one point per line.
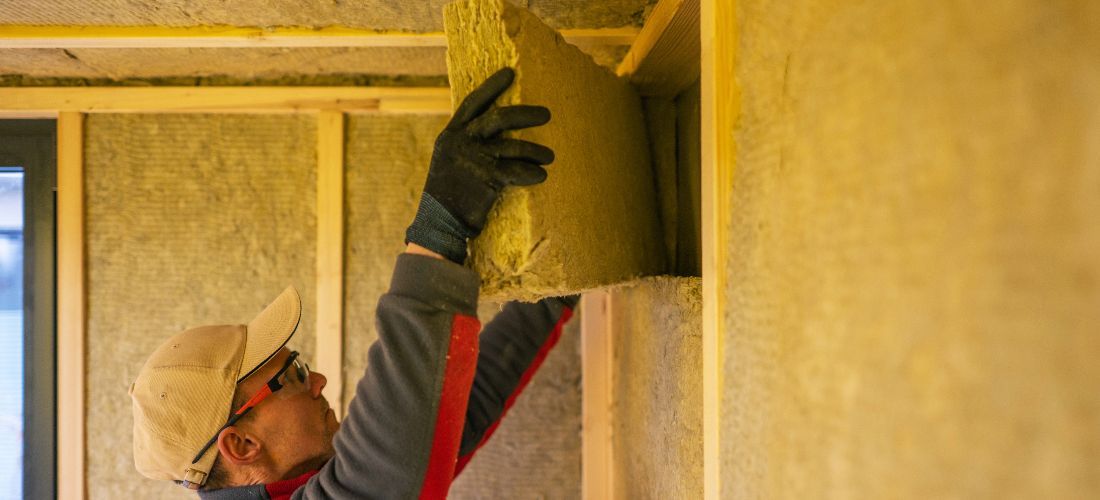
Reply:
x=913, y=275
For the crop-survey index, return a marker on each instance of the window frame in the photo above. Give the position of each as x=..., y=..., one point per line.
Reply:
x=31, y=144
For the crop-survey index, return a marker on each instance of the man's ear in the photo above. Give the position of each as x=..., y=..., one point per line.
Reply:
x=238, y=446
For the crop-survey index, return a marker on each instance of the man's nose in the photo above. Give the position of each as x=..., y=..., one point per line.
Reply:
x=316, y=383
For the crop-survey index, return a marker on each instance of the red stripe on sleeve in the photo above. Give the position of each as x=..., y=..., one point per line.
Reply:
x=551, y=341
x=451, y=417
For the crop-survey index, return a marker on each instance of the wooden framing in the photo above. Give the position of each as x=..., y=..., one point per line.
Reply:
x=597, y=466
x=132, y=37
x=45, y=100
x=720, y=107
x=70, y=305
x=664, y=58
x=330, y=254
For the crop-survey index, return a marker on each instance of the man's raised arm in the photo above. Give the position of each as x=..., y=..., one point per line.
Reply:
x=403, y=430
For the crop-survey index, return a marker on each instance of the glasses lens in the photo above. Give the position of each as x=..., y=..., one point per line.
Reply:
x=303, y=371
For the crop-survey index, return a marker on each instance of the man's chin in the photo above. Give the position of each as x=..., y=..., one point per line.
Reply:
x=331, y=422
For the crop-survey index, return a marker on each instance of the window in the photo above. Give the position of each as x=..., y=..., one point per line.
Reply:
x=27, y=315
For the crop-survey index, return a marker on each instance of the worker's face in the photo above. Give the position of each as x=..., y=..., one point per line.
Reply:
x=295, y=424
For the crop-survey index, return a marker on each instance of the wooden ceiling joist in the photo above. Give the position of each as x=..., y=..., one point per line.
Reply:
x=664, y=58
x=131, y=37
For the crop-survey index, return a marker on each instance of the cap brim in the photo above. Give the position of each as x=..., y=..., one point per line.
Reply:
x=270, y=331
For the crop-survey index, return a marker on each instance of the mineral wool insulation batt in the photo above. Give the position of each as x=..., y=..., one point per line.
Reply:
x=594, y=221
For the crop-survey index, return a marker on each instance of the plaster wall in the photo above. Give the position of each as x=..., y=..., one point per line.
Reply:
x=657, y=423
x=540, y=240
x=913, y=265
x=179, y=212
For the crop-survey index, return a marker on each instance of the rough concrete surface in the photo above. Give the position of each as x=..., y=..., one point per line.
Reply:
x=913, y=277
x=180, y=233
x=536, y=450
x=373, y=14
x=657, y=423
x=541, y=240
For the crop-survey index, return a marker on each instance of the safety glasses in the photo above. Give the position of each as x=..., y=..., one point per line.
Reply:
x=298, y=376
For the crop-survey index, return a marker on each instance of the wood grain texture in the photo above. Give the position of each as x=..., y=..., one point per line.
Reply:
x=70, y=306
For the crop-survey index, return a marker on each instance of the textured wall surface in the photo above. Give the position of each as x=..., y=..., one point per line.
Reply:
x=386, y=162
x=689, y=246
x=535, y=452
x=673, y=128
x=180, y=233
x=244, y=63
x=914, y=260
x=657, y=428
x=539, y=240
x=372, y=14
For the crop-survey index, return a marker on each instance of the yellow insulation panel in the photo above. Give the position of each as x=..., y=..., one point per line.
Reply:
x=594, y=222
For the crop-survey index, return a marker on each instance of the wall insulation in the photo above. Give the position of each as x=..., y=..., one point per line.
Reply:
x=179, y=213
x=537, y=447
x=536, y=451
x=657, y=423
x=672, y=125
x=689, y=246
x=912, y=288
x=541, y=240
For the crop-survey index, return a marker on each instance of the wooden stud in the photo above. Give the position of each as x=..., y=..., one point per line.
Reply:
x=330, y=254
x=720, y=107
x=597, y=451
x=221, y=99
x=664, y=59
x=70, y=306
x=143, y=37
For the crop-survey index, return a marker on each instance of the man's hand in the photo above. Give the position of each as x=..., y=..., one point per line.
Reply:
x=472, y=163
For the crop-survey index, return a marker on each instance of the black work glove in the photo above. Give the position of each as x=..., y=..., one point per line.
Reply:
x=472, y=163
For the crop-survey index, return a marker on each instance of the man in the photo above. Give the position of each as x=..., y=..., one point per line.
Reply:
x=227, y=410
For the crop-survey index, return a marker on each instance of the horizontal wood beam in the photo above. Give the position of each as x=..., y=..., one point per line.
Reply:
x=45, y=100
x=664, y=58
x=134, y=37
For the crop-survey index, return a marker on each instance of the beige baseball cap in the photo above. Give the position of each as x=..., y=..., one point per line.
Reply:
x=184, y=393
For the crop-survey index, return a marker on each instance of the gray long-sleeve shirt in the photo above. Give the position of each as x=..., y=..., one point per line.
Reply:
x=427, y=400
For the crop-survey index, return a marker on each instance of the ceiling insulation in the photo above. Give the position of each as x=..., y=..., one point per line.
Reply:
x=275, y=65
x=234, y=64
x=417, y=16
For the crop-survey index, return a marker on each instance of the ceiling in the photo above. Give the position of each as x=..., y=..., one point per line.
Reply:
x=410, y=65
